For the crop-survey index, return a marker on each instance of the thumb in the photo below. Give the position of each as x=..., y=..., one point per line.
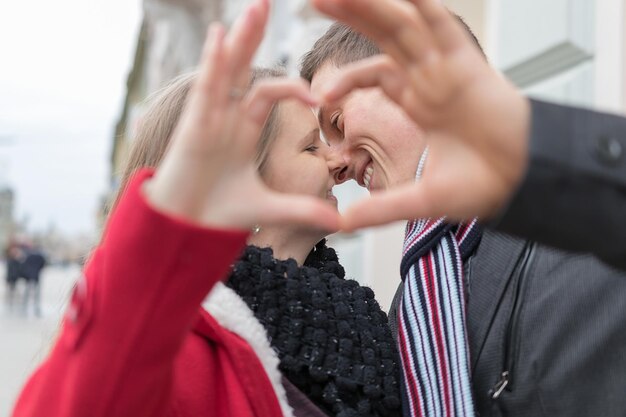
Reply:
x=289, y=209
x=403, y=203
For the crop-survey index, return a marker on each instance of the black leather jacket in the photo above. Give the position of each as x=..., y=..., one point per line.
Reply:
x=547, y=331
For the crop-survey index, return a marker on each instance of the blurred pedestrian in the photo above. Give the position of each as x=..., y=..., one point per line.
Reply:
x=14, y=257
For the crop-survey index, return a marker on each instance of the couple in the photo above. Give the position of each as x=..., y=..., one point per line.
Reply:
x=126, y=347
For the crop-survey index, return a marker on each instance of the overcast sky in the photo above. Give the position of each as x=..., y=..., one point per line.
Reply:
x=63, y=69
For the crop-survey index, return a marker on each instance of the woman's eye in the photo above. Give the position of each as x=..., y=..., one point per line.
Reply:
x=312, y=148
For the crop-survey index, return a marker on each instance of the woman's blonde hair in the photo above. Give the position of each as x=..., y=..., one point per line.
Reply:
x=157, y=125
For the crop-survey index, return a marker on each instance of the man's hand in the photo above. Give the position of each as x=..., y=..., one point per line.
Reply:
x=476, y=122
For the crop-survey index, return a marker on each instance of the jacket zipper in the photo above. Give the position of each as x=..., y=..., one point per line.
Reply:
x=512, y=335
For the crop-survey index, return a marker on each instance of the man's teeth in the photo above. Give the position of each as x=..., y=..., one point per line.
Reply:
x=367, y=177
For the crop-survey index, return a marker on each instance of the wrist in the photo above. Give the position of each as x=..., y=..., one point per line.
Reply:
x=512, y=146
x=200, y=213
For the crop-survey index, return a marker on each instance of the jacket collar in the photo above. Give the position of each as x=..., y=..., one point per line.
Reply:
x=224, y=308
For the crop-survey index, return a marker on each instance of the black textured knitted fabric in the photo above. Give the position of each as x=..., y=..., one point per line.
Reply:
x=330, y=334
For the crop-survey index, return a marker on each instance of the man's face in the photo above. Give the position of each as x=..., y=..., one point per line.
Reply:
x=380, y=145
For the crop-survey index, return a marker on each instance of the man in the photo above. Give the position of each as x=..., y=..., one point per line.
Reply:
x=496, y=151
x=531, y=353
x=14, y=257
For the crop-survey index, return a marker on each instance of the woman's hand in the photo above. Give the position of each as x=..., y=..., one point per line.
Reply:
x=208, y=175
x=476, y=122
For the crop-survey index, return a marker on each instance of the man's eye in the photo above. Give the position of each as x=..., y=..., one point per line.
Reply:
x=334, y=122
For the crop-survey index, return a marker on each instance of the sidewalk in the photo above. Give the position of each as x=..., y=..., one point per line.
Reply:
x=25, y=339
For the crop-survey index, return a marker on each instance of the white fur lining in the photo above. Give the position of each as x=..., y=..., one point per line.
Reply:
x=233, y=314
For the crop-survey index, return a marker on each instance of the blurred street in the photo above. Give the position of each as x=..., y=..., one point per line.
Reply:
x=25, y=338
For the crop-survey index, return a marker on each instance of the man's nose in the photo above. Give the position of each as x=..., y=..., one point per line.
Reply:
x=338, y=165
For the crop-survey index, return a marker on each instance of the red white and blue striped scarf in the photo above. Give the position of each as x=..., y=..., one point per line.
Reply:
x=432, y=335
x=431, y=319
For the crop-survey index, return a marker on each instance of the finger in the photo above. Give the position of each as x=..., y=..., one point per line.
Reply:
x=210, y=83
x=379, y=71
x=243, y=40
x=362, y=14
x=431, y=10
x=378, y=33
x=259, y=102
x=446, y=29
x=403, y=203
x=394, y=25
x=453, y=193
x=288, y=209
x=267, y=92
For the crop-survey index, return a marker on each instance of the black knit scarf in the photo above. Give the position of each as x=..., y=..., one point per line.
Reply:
x=330, y=334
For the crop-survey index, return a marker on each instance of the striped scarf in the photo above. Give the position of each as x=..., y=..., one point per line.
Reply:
x=431, y=318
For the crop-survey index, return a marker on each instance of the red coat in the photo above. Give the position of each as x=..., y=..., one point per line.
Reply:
x=133, y=342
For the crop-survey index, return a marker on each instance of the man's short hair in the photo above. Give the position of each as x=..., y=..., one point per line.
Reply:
x=342, y=45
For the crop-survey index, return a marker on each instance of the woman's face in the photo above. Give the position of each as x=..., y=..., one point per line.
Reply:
x=298, y=161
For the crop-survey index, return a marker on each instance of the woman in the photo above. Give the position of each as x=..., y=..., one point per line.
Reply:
x=291, y=158
x=135, y=341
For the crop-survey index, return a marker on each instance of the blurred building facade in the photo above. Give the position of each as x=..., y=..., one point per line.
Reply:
x=6, y=217
x=564, y=50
